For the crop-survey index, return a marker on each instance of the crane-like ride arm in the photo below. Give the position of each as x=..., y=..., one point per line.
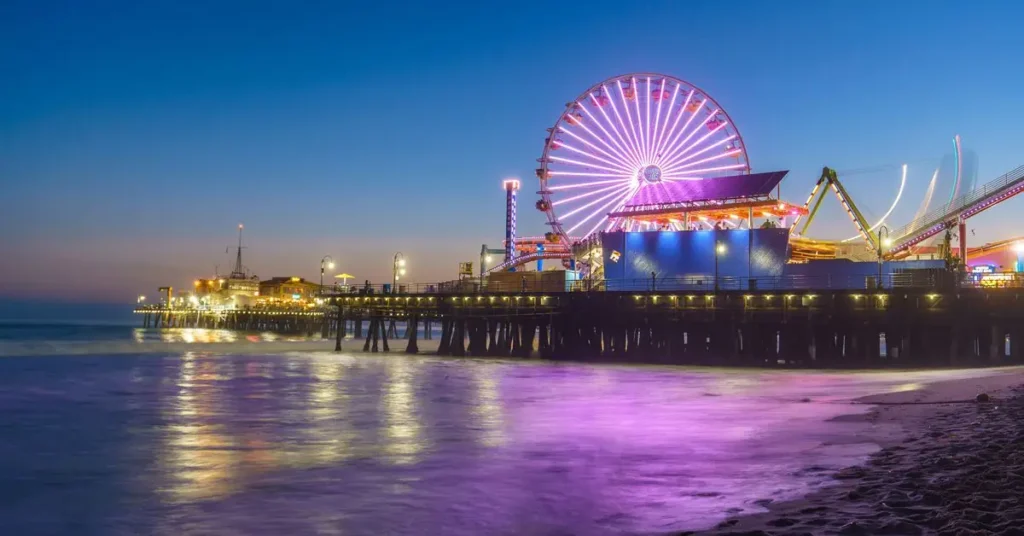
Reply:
x=830, y=179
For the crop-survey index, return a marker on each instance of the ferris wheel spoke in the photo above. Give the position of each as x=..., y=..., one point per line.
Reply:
x=704, y=160
x=657, y=116
x=622, y=202
x=687, y=153
x=587, y=184
x=618, y=135
x=639, y=118
x=630, y=126
x=621, y=148
x=586, y=174
x=585, y=164
x=690, y=173
x=586, y=195
x=683, y=145
x=579, y=151
x=615, y=162
x=686, y=157
x=645, y=128
x=665, y=137
x=619, y=154
x=581, y=208
x=670, y=147
x=624, y=132
x=601, y=209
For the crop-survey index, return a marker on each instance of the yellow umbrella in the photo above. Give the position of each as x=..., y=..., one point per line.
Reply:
x=344, y=277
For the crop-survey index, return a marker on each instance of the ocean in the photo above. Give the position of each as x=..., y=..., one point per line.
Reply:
x=107, y=434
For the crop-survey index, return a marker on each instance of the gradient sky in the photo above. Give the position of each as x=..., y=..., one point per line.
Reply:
x=134, y=136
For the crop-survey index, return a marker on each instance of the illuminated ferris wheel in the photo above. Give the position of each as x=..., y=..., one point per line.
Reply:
x=627, y=133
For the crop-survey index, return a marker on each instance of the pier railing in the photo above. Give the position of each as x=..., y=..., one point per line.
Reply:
x=933, y=279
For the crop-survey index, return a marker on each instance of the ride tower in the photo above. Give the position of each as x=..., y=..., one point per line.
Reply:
x=511, y=187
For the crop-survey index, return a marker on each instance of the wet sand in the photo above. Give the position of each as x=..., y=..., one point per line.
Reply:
x=951, y=465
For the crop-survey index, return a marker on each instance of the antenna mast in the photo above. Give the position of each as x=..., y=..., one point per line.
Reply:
x=239, y=271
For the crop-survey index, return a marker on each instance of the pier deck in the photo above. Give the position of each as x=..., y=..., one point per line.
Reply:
x=910, y=327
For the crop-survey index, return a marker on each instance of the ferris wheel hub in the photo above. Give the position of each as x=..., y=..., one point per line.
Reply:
x=650, y=174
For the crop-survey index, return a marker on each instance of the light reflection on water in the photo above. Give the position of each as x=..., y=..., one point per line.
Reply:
x=322, y=443
x=402, y=424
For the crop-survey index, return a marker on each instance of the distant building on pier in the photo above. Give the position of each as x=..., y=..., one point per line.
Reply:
x=288, y=289
x=227, y=291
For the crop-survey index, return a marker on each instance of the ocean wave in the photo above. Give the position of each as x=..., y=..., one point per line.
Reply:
x=165, y=341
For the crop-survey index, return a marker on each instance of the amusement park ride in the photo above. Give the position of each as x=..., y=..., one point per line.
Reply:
x=650, y=152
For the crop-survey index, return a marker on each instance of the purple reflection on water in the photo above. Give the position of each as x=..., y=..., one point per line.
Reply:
x=329, y=444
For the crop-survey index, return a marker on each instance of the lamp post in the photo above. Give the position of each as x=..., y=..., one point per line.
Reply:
x=882, y=243
x=327, y=262
x=397, y=270
x=719, y=250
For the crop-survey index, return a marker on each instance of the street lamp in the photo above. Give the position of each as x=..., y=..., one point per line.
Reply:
x=719, y=251
x=883, y=243
x=397, y=270
x=325, y=262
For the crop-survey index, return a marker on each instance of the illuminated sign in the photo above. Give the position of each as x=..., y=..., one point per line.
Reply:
x=996, y=280
x=983, y=269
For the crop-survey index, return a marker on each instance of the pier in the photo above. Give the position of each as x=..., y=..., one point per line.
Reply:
x=915, y=326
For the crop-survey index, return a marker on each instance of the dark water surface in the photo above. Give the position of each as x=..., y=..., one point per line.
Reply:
x=321, y=443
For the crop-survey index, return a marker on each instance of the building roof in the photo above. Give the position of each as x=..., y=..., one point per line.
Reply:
x=731, y=187
x=283, y=279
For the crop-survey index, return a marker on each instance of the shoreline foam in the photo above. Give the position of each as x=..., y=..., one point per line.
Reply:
x=950, y=465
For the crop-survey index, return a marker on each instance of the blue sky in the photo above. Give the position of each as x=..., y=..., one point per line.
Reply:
x=135, y=136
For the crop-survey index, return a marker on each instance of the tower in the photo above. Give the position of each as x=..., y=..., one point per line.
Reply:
x=239, y=271
x=511, y=186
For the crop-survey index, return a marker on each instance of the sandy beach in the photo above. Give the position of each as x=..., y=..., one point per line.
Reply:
x=951, y=465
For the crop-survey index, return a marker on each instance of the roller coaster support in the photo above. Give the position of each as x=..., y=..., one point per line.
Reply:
x=963, y=243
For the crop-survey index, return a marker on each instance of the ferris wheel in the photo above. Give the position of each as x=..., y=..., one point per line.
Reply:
x=627, y=133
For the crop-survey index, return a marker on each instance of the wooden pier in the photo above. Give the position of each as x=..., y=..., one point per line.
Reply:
x=836, y=329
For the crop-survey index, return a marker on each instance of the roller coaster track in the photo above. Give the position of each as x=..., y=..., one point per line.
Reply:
x=958, y=210
x=531, y=257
